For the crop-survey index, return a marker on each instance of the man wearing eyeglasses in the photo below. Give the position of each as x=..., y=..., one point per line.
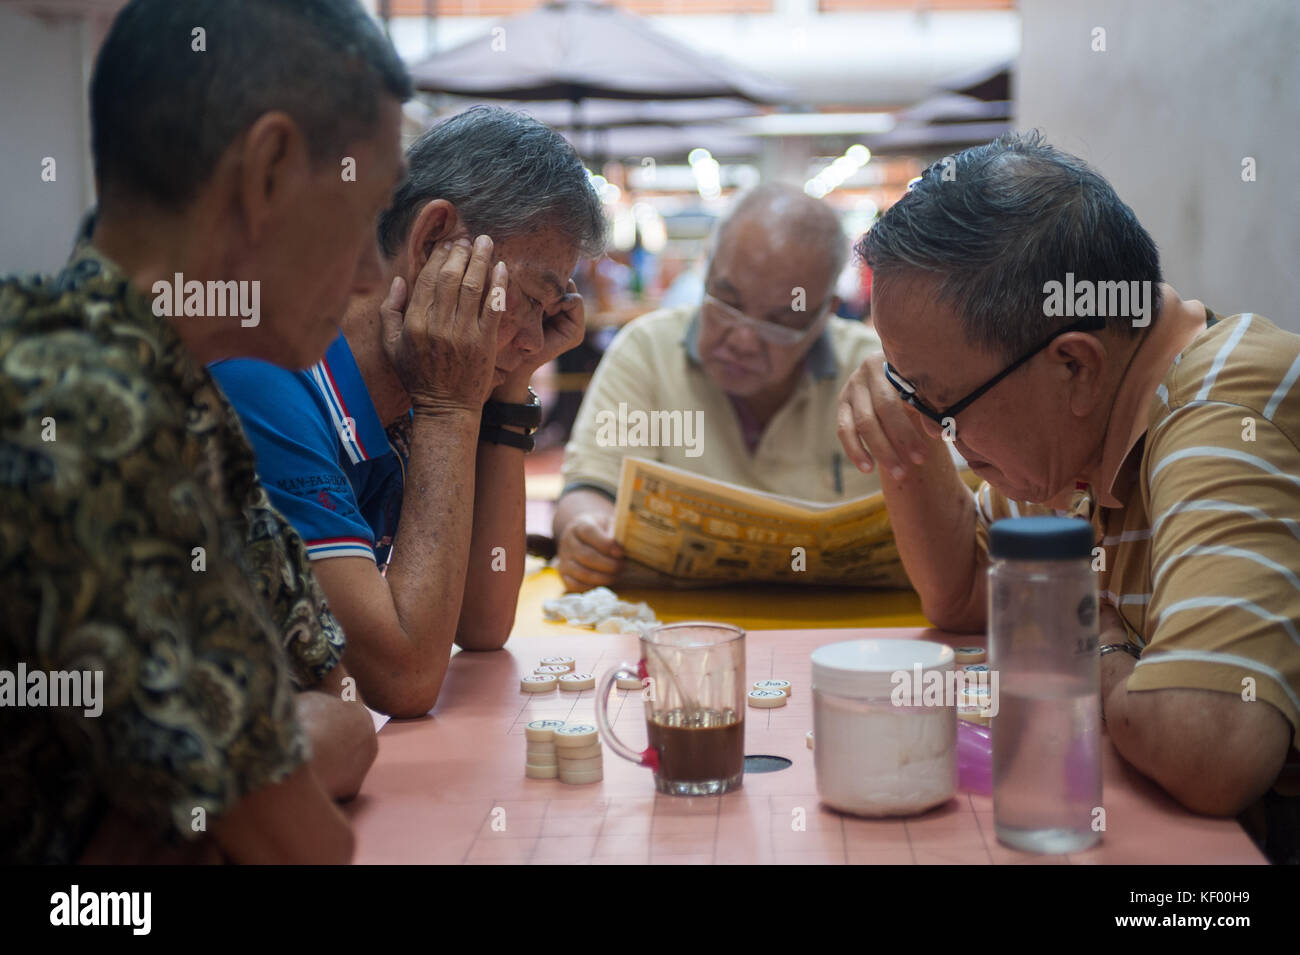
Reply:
x=1172, y=430
x=758, y=364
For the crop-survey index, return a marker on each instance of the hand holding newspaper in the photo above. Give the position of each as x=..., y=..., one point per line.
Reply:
x=696, y=530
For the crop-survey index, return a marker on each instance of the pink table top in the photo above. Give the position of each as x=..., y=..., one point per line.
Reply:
x=450, y=787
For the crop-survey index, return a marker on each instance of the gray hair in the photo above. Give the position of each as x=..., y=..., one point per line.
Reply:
x=803, y=219
x=162, y=113
x=995, y=223
x=506, y=174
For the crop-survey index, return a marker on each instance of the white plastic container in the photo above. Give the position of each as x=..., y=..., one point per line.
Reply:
x=881, y=750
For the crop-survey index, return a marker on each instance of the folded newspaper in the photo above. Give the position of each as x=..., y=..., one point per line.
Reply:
x=681, y=529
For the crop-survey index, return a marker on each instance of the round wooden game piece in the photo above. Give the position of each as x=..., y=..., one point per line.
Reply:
x=540, y=772
x=575, y=736
x=541, y=759
x=560, y=661
x=782, y=685
x=628, y=683
x=574, y=682
x=554, y=669
x=580, y=752
x=581, y=779
x=580, y=765
x=765, y=699
x=538, y=683
x=542, y=731
x=967, y=655
x=972, y=714
x=976, y=668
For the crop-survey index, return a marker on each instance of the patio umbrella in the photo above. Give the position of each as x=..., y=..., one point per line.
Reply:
x=664, y=143
x=922, y=138
x=991, y=83
x=602, y=113
x=580, y=49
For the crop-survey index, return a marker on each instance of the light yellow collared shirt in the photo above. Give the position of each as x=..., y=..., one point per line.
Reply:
x=653, y=366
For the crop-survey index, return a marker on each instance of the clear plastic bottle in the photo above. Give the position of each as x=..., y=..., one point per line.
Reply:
x=1042, y=613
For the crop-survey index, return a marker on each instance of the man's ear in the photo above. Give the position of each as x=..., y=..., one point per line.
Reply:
x=438, y=221
x=267, y=162
x=1081, y=359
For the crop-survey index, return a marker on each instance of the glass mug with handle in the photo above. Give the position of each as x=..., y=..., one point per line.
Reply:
x=693, y=678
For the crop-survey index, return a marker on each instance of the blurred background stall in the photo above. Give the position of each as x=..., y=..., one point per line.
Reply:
x=1188, y=106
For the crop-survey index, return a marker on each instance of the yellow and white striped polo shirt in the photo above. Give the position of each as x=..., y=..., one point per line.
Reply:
x=1201, y=541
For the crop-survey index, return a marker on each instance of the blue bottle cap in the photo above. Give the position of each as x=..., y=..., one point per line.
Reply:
x=1041, y=538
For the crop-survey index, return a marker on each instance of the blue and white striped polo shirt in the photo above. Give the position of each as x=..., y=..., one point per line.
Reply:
x=322, y=452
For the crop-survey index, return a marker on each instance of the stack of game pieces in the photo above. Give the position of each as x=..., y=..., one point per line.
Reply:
x=974, y=704
x=577, y=748
x=540, y=762
x=769, y=693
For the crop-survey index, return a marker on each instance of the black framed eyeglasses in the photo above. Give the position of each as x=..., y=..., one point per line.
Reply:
x=908, y=390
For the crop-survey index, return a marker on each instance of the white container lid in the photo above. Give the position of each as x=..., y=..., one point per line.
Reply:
x=864, y=669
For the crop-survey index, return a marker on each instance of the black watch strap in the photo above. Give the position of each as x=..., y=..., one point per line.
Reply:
x=528, y=416
x=498, y=435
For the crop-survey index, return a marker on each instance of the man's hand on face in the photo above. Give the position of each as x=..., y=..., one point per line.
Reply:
x=589, y=555
x=443, y=344
x=565, y=327
x=876, y=427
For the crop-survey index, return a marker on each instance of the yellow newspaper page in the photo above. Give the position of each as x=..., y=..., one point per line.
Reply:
x=697, y=529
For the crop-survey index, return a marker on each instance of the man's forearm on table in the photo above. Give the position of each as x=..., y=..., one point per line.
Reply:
x=342, y=738
x=427, y=574
x=933, y=519
x=492, y=581
x=1211, y=751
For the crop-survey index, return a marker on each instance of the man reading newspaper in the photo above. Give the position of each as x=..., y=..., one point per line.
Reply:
x=741, y=388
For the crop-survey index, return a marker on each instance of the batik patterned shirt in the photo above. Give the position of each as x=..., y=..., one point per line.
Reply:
x=136, y=543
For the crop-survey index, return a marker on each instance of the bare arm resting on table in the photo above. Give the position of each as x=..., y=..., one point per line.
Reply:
x=440, y=344
x=400, y=628
x=291, y=822
x=487, y=612
x=342, y=735
x=1213, y=752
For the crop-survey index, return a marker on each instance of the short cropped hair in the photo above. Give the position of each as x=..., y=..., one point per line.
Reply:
x=506, y=174
x=162, y=110
x=993, y=224
x=808, y=221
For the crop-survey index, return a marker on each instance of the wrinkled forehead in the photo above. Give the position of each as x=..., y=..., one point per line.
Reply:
x=921, y=336
x=545, y=260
